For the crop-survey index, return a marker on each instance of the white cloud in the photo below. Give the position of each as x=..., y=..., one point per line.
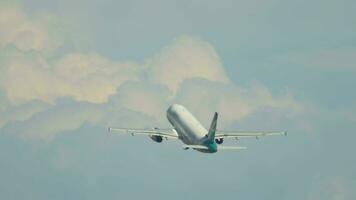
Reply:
x=187, y=71
x=143, y=97
x=92, y=77
x=232, y=102
x=27, y=32
x=186, y=58
x=86, y=77
x=64, y=116
x=26, y=76
x=22, y=112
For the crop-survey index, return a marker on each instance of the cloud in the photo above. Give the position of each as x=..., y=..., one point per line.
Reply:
x=232, y=102
x=185, y=58
x=66, y=115
x=27, y=32
x=46, y=95
x=21, y=112
x=143, y=97
x=143, y=104
x=27, y=76
x=102, y=91
x=4, y=102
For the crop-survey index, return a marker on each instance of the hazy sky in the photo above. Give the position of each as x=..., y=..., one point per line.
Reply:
x=68, y=70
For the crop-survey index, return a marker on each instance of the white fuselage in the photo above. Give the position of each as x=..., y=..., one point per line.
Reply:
x=188, y=128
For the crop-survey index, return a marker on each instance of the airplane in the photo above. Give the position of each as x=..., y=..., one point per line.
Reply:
x=192, y=133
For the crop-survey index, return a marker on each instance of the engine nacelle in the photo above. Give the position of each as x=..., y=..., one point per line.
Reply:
x=219, y=140
x=156, y=138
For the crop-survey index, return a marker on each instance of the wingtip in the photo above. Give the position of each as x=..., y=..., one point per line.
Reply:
x=285, y=133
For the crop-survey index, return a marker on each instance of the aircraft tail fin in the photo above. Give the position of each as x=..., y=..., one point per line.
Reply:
x=212, y=129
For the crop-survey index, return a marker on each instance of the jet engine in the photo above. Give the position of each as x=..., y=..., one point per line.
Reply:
x=156, y=138
x=219, y=140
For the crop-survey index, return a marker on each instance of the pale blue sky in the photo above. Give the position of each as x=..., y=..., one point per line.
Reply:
x=289, y=65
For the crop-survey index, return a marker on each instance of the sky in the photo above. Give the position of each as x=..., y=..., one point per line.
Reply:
x=70, y=69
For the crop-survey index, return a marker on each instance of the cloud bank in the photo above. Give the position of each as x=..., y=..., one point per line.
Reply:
x=44, y=93
x=28, y=32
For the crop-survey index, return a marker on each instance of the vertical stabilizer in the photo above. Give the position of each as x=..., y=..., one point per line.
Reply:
x=212, y=129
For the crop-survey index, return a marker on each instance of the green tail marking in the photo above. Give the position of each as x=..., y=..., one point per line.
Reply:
x=212, y=129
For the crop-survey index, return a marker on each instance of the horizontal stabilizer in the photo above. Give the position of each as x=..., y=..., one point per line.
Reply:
x=195, y=147
x=231, y=148
x=242, y=134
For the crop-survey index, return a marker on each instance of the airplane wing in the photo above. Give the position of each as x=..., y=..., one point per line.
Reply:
x=237, y=135
x=165, y=133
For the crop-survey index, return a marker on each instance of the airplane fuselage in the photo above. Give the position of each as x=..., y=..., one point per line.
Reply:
x=190, y=131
